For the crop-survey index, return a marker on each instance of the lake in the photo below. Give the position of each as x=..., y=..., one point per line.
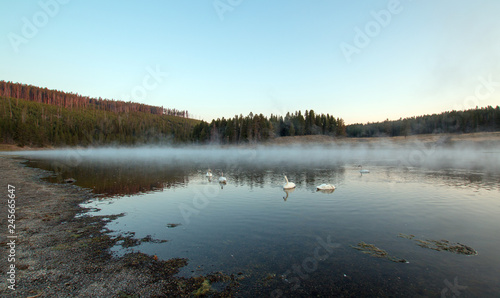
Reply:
x=410, y=227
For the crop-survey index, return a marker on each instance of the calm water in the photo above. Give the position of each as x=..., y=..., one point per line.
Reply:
x=299, y=243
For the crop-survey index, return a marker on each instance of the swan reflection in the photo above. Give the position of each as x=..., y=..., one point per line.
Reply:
x=288, y=191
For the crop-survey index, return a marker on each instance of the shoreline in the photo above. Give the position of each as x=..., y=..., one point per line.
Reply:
x=445, y=138
x=58, y=254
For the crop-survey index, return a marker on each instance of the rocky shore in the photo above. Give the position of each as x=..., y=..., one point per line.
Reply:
x=60, y=255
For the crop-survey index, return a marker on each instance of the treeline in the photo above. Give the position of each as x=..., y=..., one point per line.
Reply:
x=41, y=117
x=473, y=120
x=256, y=128
x=24, y=122
x=76, y=101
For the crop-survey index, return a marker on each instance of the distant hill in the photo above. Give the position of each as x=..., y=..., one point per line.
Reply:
x=485, y=119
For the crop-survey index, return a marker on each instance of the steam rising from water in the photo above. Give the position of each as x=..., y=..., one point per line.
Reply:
x=429, y=155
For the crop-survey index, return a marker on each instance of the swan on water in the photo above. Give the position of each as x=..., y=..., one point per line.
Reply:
x=325, y=186
x=288, y=185
x=209, y=173
x=222, y=179
x=361, y=170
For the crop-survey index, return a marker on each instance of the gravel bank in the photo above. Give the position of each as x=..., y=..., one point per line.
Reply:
x=58, y=255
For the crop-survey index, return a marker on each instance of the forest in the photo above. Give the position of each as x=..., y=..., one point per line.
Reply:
x=41, y=117
x=473, y=120
x=76, y=101
x=257, y=128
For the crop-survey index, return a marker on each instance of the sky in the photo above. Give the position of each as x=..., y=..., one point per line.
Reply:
x=362, y=61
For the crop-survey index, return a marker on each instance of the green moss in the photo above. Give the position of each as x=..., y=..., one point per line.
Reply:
x=204, y=289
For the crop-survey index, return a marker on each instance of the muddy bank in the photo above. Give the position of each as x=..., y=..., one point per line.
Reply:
x=58, y=255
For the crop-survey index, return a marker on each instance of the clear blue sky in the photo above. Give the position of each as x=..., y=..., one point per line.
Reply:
x=417, y=57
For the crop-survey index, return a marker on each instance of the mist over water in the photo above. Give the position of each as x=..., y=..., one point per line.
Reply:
x=251, y=227
x=427, y=155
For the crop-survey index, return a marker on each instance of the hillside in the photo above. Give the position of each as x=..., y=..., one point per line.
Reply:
x=29, y=123
x=71, y=100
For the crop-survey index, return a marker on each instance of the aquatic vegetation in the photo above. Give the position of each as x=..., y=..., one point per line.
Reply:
x=440, y=245
x=377, y=252
x=129, y=240
x=204, y=289
x=149, y=238
x=401, y=235
x=446, y=245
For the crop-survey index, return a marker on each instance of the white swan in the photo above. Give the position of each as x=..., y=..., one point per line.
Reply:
x=325, y=187
x=288, y=185
x=363, y=170
x=222, y=179
x=209, y=173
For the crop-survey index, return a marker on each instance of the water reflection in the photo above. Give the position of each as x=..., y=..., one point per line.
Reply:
x=117, y=179
x=120, y=179
x=287, y=193
x=326, y=191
